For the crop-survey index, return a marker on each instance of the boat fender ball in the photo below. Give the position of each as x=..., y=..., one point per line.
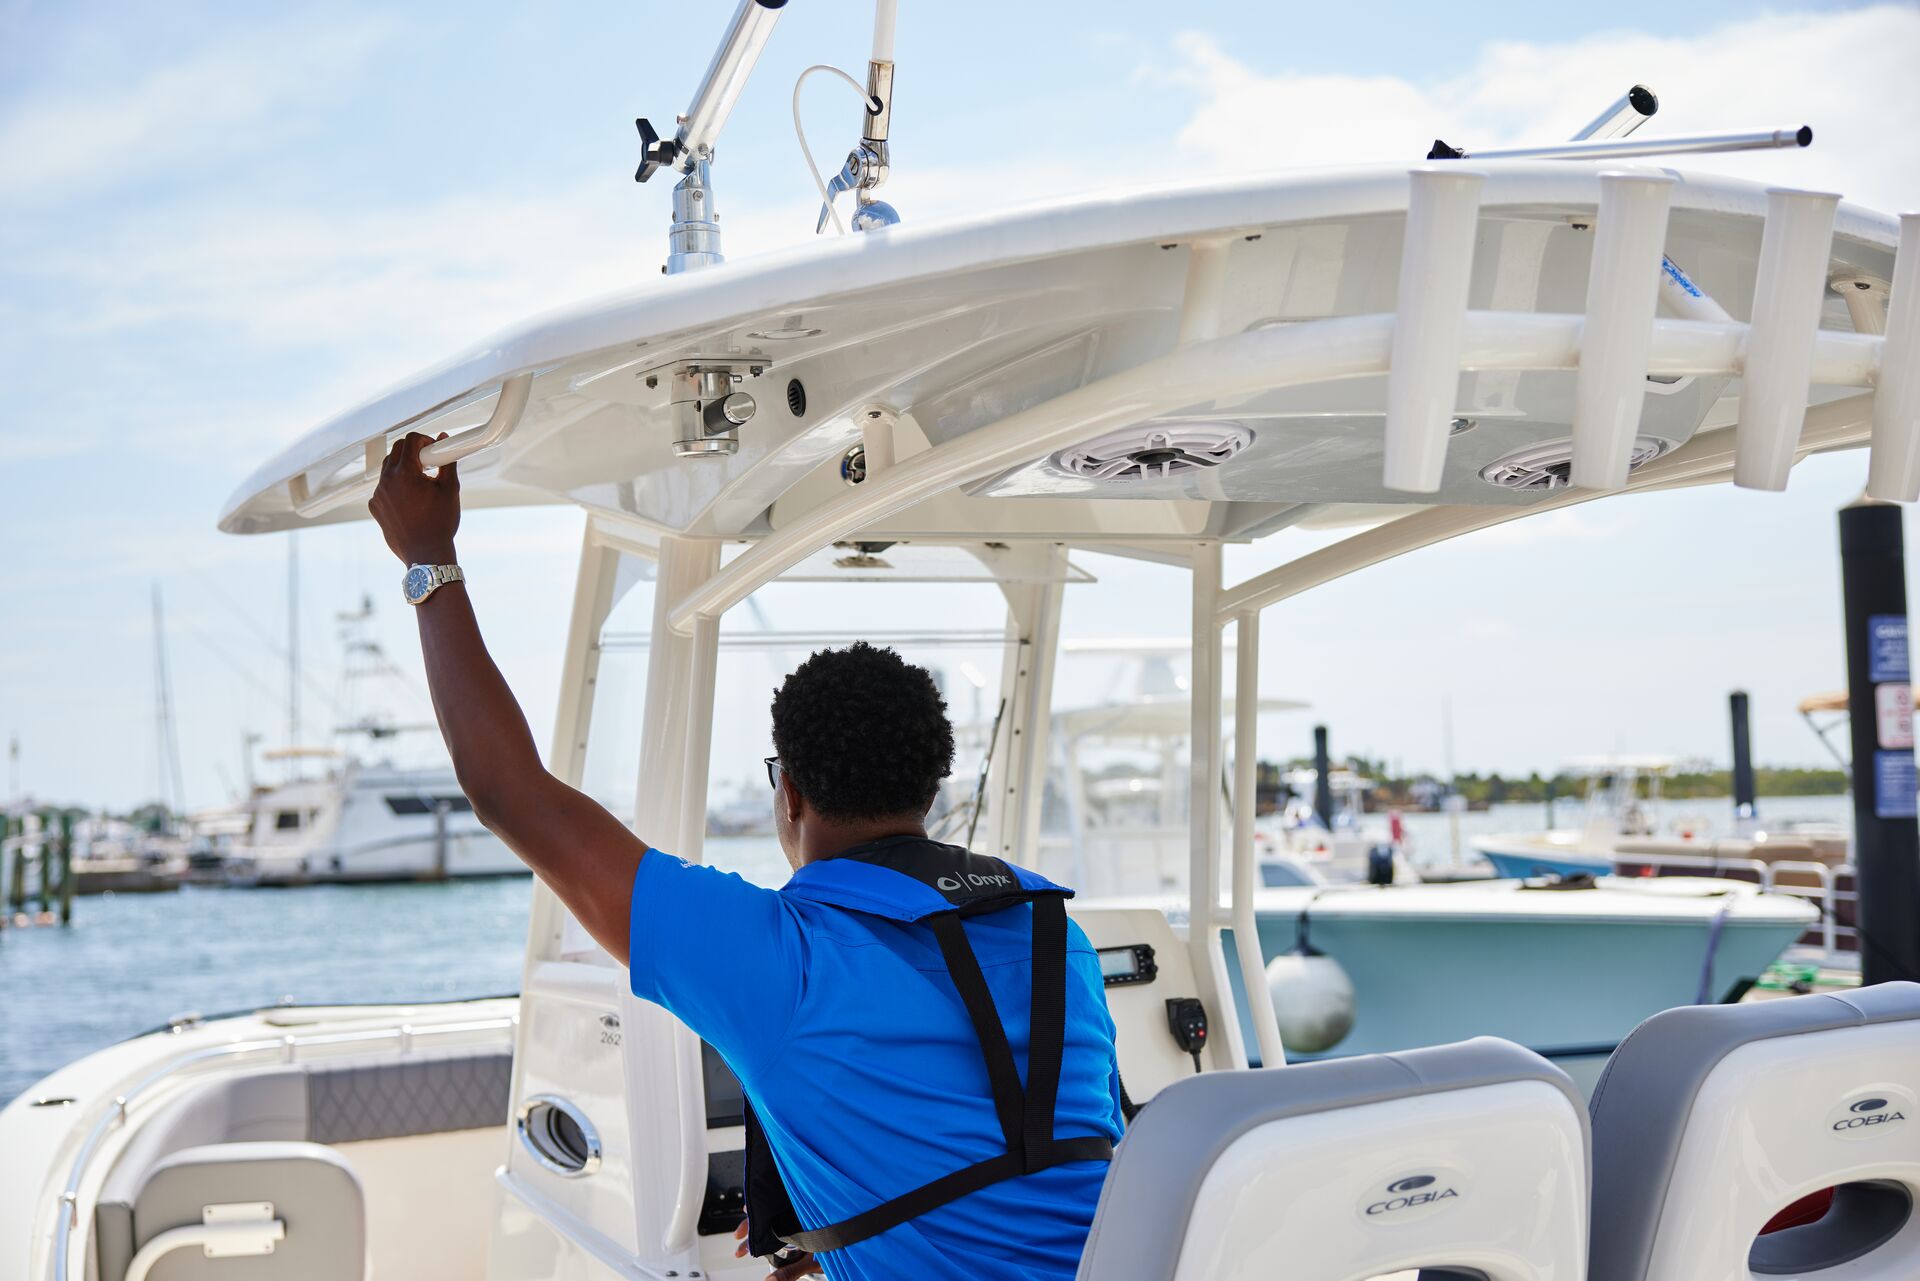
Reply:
x=1312, y=1001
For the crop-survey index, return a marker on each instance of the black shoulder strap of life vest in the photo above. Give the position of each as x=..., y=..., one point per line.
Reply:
x=1026, y=1114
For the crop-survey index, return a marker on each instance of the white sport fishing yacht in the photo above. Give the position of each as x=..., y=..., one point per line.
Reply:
x=360, y=822
x=360, y=816
x=1441, y=348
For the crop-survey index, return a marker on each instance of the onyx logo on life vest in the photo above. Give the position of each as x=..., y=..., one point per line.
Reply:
x=973, y=881
x=1411, y=1196
x=1868, y=1117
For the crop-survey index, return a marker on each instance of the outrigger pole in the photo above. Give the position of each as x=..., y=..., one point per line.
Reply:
x=694, y=238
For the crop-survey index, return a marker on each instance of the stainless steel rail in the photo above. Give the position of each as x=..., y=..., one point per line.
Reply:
x=507, y=412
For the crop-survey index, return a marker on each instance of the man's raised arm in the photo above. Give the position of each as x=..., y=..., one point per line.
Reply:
x=586, y=855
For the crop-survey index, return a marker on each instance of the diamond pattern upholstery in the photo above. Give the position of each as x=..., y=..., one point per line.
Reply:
x=416, y=1095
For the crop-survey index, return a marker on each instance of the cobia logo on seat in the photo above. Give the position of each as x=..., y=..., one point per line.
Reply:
x=1868, y=1112
x=1411, y=1195
x=1865, y=1117
x=977, y=880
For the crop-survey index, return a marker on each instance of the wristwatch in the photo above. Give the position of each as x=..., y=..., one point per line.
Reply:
x=423, y=580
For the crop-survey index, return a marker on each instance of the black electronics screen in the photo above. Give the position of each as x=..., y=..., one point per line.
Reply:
x=726, y=1104
x=1132, y=964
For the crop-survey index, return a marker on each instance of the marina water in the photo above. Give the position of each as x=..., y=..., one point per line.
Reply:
x=131, y=962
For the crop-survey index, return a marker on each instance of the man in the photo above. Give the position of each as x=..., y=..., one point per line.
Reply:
x=923, y=1035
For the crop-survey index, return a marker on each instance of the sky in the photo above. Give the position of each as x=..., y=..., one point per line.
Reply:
x=222, y=223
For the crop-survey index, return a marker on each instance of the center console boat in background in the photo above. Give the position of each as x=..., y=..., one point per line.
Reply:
x=1156, y=374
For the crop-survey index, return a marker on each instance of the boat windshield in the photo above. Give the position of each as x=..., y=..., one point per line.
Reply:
x=956, y=631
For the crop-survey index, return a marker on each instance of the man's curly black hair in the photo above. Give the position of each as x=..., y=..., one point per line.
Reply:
x=862, y=733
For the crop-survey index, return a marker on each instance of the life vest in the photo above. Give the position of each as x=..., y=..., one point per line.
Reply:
x=920, y=881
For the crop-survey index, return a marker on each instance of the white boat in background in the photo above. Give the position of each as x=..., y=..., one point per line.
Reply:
x=1622, y=796
x=361, y=822
x=364, y=815
x=1154, y=374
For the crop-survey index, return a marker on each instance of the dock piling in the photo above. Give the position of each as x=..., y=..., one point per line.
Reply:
x=44, y=848
x=1886, y=840
x=1746, y=806
x=1322, y=777
x=66, y=867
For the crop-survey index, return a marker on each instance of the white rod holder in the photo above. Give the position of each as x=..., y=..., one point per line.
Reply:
x=1623, y=287
x=1893, y=472
x=1436, y=266
x=1778, y=365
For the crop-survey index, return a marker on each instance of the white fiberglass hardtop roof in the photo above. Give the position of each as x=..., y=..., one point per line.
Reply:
x=1244, y=326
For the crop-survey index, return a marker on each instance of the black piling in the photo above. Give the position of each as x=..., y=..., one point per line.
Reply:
x=66, y=867
x=1322, y=777
x=1886, y=841
x=47, y=856
x=17, y=888
x=1746, y=808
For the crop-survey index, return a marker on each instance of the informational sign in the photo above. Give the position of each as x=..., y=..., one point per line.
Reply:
x=1887, y=648
x=1895, y=785
x=1893, y=714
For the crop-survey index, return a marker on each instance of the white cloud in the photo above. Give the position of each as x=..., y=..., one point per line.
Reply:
x=232, y=94
x=1849, y=75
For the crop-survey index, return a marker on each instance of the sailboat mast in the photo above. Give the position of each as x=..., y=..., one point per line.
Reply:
x=166, y=738
x=293, y=641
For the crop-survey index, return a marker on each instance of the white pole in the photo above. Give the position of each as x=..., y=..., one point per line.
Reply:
x=1623, y=287
x=1246, y=927
x=884, y=20
x=1227, y=1047
x=1777, y=371
x=1436, y=267
x=1894, y=471
x=664, y=1093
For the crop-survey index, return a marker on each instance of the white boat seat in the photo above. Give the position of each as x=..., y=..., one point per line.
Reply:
x=313, y=1194
x=317, y=1103
x=1464, y=1161
x=1712, y=1119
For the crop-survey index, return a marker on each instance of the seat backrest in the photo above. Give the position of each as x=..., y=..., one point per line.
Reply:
x=1710, y=1120
x=312, y=1189
x=1466, y=1159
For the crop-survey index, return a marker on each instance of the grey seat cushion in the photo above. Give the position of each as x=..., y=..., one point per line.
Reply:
x=1169, y=1148
x=1644, y=1098
x=313, y=1191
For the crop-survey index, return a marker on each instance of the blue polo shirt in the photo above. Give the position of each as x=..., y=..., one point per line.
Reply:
x=849, y=1037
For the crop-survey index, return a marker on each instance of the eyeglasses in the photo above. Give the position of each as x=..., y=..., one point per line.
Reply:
x=773, y=772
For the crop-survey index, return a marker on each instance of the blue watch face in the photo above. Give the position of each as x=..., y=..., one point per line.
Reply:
x=419, y=580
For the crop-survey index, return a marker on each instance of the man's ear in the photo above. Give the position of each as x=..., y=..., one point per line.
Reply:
x=792, y=804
